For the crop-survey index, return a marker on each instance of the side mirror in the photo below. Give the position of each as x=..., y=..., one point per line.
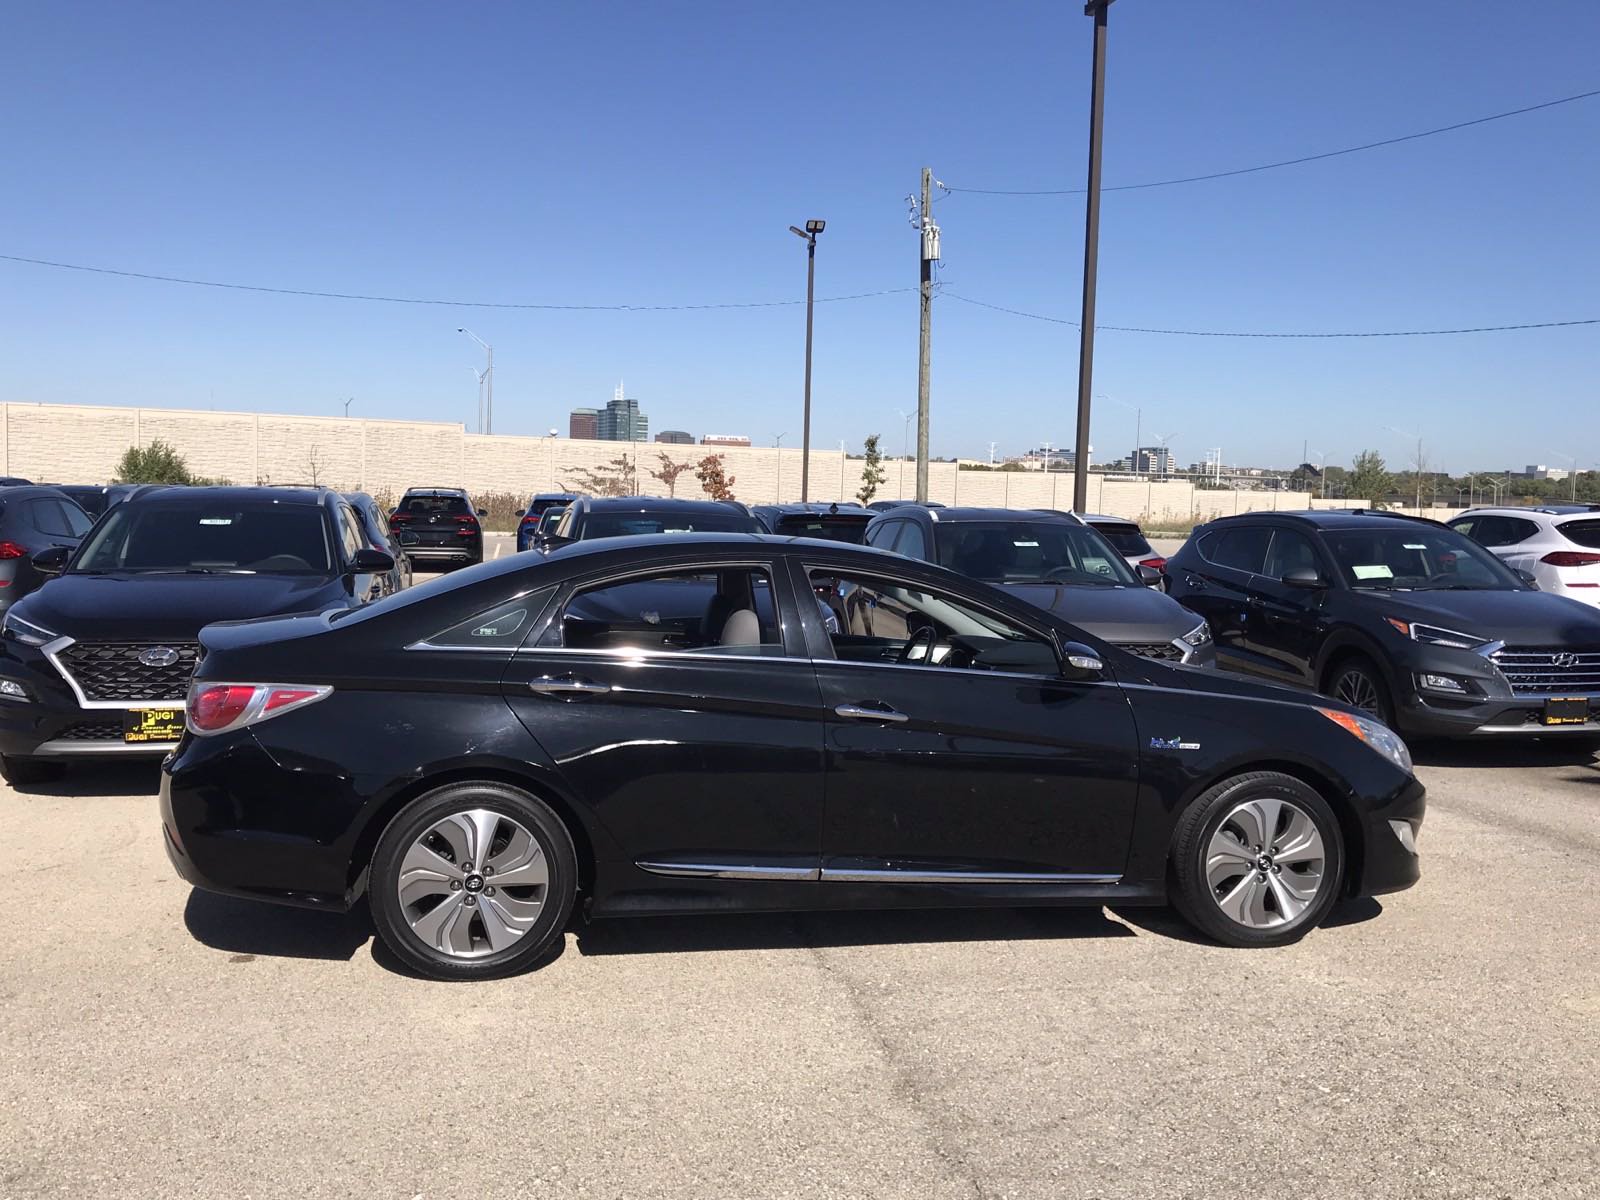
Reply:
x=1527, y=577
x=552, y=541
x=1081, y=662
x=1304, y=577
x=407, y=538
x=371, y=562
x=392, y=511
x=1149, y=576
x=52, y=561
x=483, y=512
x=521, y=512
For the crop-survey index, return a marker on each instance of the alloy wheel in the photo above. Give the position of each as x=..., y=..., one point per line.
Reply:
x=1265, y=863
x=1356, y=688
x=473, y=883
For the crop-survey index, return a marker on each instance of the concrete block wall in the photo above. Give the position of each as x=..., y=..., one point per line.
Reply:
x=82, y=443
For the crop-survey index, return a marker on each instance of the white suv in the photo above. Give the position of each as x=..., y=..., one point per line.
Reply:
x=1558, y=544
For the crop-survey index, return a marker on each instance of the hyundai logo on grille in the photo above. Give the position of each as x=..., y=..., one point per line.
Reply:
x=158, y=656
x=1565, y=659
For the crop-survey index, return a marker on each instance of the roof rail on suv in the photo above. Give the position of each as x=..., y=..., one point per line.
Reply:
x=1383, y=512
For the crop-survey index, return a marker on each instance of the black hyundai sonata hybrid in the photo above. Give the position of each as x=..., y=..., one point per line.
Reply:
x=652, y=725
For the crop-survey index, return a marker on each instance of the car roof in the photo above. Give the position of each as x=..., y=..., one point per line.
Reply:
x=1325, y=518
x=436, y=491
x=815, y=508
x=27, y=491
x=230, y=494
x=556, y=495
x=1103, y=519
x=1542, y=510
x=659, y=504
x=955, y=516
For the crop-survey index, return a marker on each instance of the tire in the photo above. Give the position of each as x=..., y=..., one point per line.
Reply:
x=1250, y=906
x=455, y=923
x=1356, y=676
x=26, y=772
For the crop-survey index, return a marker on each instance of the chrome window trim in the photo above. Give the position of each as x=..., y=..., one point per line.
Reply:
x=52, y=649
x=890, y=874
x=966, y=672
x=707, y=654
x=730, y=871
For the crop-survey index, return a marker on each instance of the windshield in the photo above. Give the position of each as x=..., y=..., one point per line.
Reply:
x=258, y=537
x=602, y=525
x=1418, y=558
x=1031, y=551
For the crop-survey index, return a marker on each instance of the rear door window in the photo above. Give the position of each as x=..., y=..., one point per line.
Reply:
x=911, y=543
x=1243, y=549
x=49, y=517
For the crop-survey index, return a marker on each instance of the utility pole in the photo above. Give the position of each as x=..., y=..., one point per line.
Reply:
x=1091, y=253
x=486, y=380
x=809, y=233
x=928, y=254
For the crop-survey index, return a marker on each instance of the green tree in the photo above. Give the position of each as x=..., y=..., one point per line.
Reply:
x=1369, y=479
x=155, y=463
x=713, y=477
x=872, y=472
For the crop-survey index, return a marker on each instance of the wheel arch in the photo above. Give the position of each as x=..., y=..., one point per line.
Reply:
x=1352, y=645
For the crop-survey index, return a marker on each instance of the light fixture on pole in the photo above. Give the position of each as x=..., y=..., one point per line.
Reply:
x=1091, y=252
x=480, y=376
x=486, y=418
x=905, y=445
x=809, y=233
x=1573, y=474
x=777, y=444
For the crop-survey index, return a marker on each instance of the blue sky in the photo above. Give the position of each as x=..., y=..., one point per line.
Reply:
x=571, y=153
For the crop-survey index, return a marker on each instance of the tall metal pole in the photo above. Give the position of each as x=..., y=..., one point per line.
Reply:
x=924, y=352
x=805, y=435
x=489, y=403
x=1091, y=255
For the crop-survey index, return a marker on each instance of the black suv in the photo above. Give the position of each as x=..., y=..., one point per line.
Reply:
x=446, y=524
x=832, y=522
x=1398, y=616
x=1057, y=562
x=98, y=660
x=596, y=517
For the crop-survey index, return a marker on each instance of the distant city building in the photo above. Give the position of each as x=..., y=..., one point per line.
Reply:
x=724, y=439
x=675, y=437
x=1540, y=471
x=1152, y=460
x=621, y=421
x=584, y=423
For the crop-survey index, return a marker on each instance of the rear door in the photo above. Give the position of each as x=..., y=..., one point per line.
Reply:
x=1216, y=584
x=679, y=705
x=1286, y=624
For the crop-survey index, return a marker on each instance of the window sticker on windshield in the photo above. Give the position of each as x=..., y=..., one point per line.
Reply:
x=1027, y=545
x=1373, y=571
x=1415, y=546
x=216, y=520
x=677, y=531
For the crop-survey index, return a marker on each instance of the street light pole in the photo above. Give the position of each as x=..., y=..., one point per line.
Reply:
x=809, y=233
x=777, y=444
x=486, y=417
x=1091, y=253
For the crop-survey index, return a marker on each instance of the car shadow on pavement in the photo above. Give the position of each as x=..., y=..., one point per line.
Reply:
x=814, y=930
x=1549, y=752
x=1165, y=922
x=109, y=779
x=251, y=928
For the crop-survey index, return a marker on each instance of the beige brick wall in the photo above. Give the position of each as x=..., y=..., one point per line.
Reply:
x=82, y=443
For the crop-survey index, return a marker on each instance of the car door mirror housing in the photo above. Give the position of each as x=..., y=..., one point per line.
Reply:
x=552, y=541
x=53, y=560
x=371, y=562
x=1079, y=661
x=1303, y=577
x=483, y=512
x=1527, y=577
x=1149, y=576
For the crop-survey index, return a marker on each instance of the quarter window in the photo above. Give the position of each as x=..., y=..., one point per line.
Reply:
x=883, y=621
x=500, y=628
x=730, y=610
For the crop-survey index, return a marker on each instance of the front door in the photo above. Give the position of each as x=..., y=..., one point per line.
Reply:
x=672, y=706
x=957, y=753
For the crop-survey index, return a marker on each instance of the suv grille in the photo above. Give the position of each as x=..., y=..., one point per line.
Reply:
x=1536, y=670
x=1161, y=650
x=111, y=671
x=91, y=731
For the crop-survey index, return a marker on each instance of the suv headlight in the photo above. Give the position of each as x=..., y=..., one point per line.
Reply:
x=1433, y=635
x=1374, y=733
x=28, y=634
x=1197, y=637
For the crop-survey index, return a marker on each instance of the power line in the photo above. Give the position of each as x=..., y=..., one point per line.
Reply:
x=277, y=291
x=1223, y=333
x=1288, y=162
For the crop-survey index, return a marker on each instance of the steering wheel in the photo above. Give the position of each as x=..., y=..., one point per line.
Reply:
x=1442, y=577
x=927, y=634
x=1062, y=573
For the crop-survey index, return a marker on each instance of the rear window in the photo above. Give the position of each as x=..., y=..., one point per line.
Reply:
x=264, y=538
x=815, y=525
x=1126, y=538
x=428, y=506
x=1585, y=532
x=603, y=525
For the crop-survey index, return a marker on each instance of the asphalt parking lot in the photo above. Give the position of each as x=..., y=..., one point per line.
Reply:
x=1441, y=1042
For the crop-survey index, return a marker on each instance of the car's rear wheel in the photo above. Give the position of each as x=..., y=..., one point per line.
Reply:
x=26, y=772
x=1257, y=860
x=1357, y=682
x=473, y=881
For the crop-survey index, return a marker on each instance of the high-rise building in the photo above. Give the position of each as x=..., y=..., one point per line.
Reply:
x=1152, y=460
x=621, y=421
x=675, y=437
x=584, y=423
x=724, y=439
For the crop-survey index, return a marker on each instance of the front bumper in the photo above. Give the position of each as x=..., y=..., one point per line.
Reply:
x=1488, y=707
x=1386, y=859
x=51, y=723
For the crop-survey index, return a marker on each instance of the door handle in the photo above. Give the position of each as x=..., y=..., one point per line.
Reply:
x=860, y=712
x=567, y=686
x=1196, y=582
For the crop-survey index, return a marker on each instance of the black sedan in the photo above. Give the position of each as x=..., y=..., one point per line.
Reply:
x=666, y=725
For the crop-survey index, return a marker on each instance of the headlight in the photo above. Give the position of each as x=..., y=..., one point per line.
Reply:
x=29, y=635
x=1374, y=733
x=1199, y=636
x=1432, y=635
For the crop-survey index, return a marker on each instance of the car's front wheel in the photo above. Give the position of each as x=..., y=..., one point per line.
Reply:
x=473, y=881
x=1257, y=860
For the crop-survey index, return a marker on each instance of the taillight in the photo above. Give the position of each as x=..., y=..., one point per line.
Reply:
x=1158, y=563
x=398, y=519
x=12, y=550
x=1556, y=558
x=526, y=521
x=218, y=707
